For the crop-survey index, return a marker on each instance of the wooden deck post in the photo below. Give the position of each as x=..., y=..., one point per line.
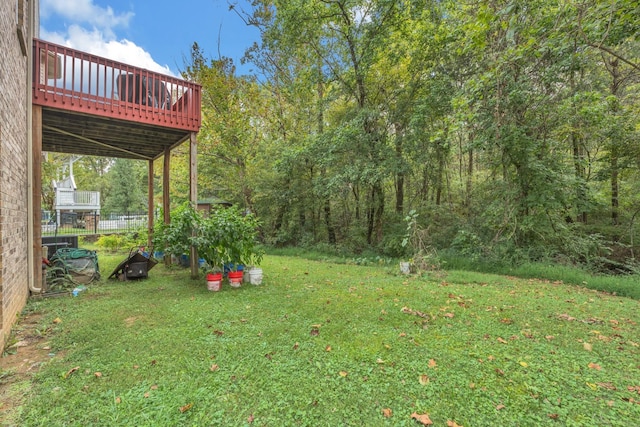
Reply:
x=150, y=207
x=193, y=193
x=166, y=205
x=36, y=153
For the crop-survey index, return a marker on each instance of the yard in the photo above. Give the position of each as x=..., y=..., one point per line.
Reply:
x=329, y=344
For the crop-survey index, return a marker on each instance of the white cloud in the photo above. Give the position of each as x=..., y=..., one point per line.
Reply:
x=85, y=11
x=92, y=30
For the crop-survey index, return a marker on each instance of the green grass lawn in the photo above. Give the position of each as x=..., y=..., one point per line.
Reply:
x=322, y=344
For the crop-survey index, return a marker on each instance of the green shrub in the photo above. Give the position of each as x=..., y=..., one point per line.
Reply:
x=224, y=236
x=113, y=242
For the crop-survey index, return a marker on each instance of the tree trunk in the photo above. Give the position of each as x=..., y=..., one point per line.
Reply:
x=400, y=175
x=578, y=163
x=370, y=216
x=375, y=213
x=399, y=179
x=424, y=188
x=615, y=185
x=469, y=181
x=331, y=232
x=379, y=192
x=581, y=193
x=440, y=181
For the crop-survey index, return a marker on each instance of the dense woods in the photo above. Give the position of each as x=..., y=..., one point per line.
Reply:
x=504, y=130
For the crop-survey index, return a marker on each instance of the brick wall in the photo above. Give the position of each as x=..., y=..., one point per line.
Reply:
x=14, y=269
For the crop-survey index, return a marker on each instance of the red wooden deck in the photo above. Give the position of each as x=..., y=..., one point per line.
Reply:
x=76, y=81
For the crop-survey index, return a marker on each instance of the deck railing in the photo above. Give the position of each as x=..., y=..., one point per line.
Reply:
x=69, y=79
x=67, y=198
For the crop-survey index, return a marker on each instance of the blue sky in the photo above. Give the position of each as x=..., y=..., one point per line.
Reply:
x=155, y=35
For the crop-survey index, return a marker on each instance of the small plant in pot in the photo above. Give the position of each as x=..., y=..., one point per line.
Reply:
x=211, y=247
x=251, y=252
x=238, y=234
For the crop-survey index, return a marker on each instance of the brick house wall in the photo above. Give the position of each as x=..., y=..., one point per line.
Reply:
x=14, y=158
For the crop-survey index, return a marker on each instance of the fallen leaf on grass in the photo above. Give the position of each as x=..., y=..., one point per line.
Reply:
x=118, y=399
x=634, y=388
x=502, y=340
x=500, y=407
x=214, y=367
x=608, y=386
x=146, y=395
x=71, y=371
x=343, y=373
x=432, y=363
x=57, y=320
x=453, y=424
x=314, y=332
x=449, y=315
x=524, y=364
x=407, y=310
x=553, y=416
x=154, y=387
x=327, y=348
x=387, y=412
x=295, y=346
x=549, y=337
x=186, y=407
x=423, y=379
x=218, y=332
x=250, y=419
x=98, y=374
x=422, y=418
x=594, y=366
x=587, y=346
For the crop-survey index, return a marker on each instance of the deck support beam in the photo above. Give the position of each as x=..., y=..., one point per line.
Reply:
x=193, y=194
x=166, y=204
x=150, y=207
x=36, y=193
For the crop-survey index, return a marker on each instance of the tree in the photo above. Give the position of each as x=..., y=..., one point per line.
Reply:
x=127, y=178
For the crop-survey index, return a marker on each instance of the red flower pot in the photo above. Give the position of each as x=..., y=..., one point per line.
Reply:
x=214, y=281
x=235, y=278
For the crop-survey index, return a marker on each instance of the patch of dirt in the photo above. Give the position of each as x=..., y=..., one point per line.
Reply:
x=28, y=349
x=129, y=321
